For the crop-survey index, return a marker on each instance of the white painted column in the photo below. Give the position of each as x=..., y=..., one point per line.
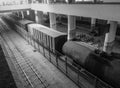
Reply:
x=28, y=12
x=110, y=37
x=52, y=17
x=45, y=1
x=18, y=13
x=22, y=14
x=14, y=13
x=93, y=22
x=39, y=17
x=36, y=17
x=71, y=26
x=71, y=1
x=50, y=1
x=26, y=2
x=96, y=1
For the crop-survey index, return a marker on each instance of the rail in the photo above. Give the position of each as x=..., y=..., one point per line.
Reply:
x=31, y=75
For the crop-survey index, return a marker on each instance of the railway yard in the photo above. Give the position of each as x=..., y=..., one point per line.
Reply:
x=33, y=70
x=59, y=43
x=40, y=57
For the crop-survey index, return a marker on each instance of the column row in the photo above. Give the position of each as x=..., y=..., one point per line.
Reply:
x=109, y=36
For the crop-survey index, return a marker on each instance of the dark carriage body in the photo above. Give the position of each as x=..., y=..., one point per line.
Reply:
x=105, y=68
x=24, y=24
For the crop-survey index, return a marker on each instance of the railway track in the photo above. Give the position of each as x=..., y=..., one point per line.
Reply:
x=31, y=76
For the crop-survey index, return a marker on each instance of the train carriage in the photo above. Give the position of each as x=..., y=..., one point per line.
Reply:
x=33, y=26
x=22, y=28
x=53, y=39
x=24, y=24
x=47, y=37
x=103, y=66
x=31, y=31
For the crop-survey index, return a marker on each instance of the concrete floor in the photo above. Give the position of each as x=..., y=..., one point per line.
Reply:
x=55, y=78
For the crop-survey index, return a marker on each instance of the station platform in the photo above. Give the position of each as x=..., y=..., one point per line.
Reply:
x=54, y=77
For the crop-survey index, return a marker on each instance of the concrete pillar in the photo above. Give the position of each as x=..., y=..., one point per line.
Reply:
x=71, y=1
x=28, y=12
x=17, y=13
x=45, y=1
x=50, y=1
x=39, y=17
x=96, y=1
x=14, y=13
x=71, y=26
x=110, y=37
x=108, y=21
x=26, y=1
x=22, y=14
x=80, y=18
x=93, y=22
x=27, y=15
x=36, y=17
x=52, y=17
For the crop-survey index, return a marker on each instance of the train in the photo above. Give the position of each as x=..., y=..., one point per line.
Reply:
x=45, y=36
x=103, y=65
x=49, y=38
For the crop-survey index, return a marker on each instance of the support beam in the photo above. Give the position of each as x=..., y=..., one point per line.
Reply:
x=93, y=22
x=27, y=15
x=39, y=17
x=71, y=26
x=45, y=1
x=50, y=1
x=18, y=13
x=36, y=17
x=28, y=12
x=22, y=14
x=96, y=1
x=71, y=1
x=52, y=17
x=110, y=37
x=15, y=13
